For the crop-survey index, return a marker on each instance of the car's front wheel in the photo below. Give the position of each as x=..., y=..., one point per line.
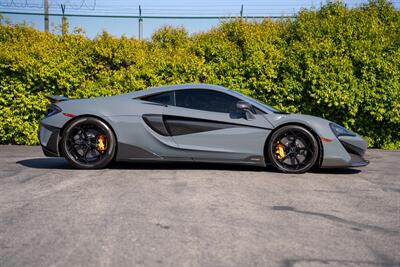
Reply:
x=88, y=143
x=293, y=149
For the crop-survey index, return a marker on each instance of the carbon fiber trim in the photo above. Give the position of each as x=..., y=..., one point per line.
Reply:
x=167, y=125
x=126, y=151
x=181, y=125
x=156, y=123
x=352, y=149
x=52, y=144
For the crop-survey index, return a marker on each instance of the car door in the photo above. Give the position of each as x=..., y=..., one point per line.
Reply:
x=154, y=135
x=207, y=125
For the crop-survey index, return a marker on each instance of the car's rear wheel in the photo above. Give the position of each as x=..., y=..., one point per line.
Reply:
x=293, y=149
x=88, y=143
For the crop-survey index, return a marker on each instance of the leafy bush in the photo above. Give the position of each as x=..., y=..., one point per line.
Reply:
x=339, y=63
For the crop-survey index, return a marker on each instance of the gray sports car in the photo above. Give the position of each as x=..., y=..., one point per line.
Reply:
x=193, y=122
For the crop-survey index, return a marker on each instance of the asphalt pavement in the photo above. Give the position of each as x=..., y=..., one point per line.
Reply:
x=135, y=214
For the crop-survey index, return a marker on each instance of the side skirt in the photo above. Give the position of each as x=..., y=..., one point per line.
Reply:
x=130, y=153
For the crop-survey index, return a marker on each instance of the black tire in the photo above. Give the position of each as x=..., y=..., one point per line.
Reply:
x=82, y=147
x=293, y=149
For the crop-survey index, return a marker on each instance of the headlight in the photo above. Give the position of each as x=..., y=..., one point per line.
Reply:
x=52, y=110
x=340, y=131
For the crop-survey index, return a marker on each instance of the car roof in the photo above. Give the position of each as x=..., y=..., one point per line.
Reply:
x=173, y=87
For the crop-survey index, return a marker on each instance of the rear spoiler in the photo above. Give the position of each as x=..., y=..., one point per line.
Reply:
x=57, y=98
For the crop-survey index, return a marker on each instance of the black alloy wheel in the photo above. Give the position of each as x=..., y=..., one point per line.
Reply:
x=88, y=143
x=293, y=149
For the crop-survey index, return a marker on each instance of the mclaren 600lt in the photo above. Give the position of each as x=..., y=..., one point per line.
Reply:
x=193, y=122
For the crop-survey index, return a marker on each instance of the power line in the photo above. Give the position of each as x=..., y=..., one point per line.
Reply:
x=144, y=16
x=122, y=6
x=155, y=12
x=87, y=4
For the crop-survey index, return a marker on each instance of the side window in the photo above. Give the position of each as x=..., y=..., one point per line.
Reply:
x=208, y=100
x=163, y=98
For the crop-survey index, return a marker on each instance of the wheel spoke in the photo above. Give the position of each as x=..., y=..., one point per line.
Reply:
x=76, y=143
x=292, y=160
x=85, y=154
x=71, y=148
x=283, y=144
x=285, y=157
x=297, y=159
x=308, y=149
x=82, y=131
x=294, y=136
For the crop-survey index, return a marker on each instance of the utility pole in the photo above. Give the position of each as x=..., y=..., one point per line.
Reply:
x=46, y=15
x=241, y=11
x=64, y=23
x=140, y=23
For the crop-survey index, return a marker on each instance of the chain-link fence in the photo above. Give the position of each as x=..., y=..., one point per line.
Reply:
x=121, y=17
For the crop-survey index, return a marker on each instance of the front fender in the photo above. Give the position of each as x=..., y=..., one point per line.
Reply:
x=334, y=152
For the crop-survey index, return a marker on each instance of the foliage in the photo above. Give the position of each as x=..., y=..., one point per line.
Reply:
x=339, y=63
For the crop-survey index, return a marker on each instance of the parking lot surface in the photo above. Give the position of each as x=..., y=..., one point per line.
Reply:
x=136, y=214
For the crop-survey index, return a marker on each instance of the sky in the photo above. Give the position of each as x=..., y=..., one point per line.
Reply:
x=129, y=26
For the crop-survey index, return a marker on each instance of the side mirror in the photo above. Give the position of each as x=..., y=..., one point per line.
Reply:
x=243, y=105
x=246, y=108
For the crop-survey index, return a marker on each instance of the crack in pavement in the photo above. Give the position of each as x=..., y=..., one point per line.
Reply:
x=337, y=219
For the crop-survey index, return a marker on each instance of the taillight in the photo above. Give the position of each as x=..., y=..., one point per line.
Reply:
x=52, y=110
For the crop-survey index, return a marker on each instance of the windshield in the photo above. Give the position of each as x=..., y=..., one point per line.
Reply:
x=255, y=102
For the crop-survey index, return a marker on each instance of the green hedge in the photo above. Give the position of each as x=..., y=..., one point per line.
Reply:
x=339, y=63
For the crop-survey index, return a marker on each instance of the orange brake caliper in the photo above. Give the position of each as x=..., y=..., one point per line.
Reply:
x=101, y=143
x=279, y=151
